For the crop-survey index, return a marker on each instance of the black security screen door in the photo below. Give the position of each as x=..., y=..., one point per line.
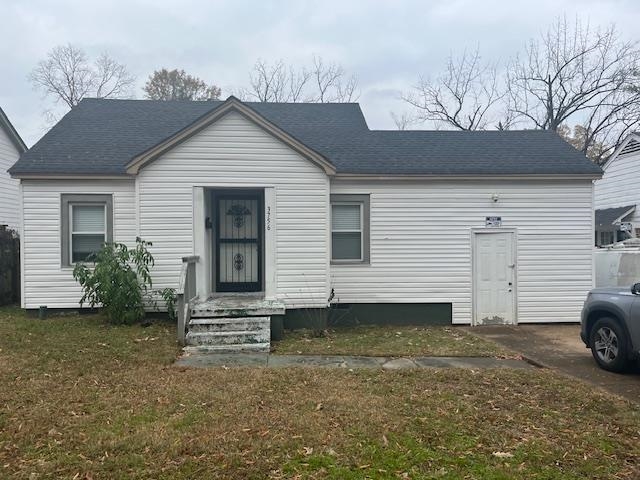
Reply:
x=239, y=242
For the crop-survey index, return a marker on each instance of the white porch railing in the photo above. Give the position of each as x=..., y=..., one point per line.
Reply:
x=185, y=294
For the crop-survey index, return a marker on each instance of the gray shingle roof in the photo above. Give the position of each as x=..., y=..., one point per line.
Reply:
x=605, y=217
x=102, y=136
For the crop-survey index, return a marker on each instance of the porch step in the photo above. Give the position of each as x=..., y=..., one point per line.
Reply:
x=229, y=307
x=234, y=324
x=230, y=334
x=227, y=338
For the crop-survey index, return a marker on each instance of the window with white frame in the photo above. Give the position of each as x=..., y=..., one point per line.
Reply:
x=350, y=228
x=88, y=230
x=86, y=225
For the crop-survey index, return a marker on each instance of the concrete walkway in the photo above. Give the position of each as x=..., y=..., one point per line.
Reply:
x=343, y=361
x=559, y=347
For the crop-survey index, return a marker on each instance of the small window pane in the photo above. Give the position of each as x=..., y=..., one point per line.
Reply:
x=88, y=218
x=84, y=245
x=606, y=238
x=346, y=246
x=345, y=217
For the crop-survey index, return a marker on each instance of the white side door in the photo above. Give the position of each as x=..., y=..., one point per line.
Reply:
x=494, y=278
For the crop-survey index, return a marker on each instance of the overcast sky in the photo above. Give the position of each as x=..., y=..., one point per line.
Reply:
x=386, y=44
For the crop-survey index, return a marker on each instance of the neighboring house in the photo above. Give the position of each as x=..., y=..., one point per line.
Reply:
x=11, y=146
x=295, y=203
x=617, y=194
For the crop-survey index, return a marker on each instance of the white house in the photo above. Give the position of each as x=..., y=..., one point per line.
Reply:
x=11, y=146
x=617, y=194
x=280, y=207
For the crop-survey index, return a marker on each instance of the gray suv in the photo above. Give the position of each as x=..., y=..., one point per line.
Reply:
x=611, y=326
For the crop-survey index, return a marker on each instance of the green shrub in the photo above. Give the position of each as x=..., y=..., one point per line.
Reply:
x=118, y=281
x=169, y=296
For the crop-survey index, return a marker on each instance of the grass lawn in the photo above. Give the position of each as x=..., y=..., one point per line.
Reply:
x=390, y=341
x=80, y=399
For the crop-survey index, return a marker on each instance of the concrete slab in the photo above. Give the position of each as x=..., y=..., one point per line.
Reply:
x=335, y=361
x=560, y=347
x=223, y=360
x=478, y=363
x=399, y=364
x=212, y=359
x=237, y=306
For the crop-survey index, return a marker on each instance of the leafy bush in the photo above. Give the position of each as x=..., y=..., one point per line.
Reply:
x=118, y=281
x=169, y=296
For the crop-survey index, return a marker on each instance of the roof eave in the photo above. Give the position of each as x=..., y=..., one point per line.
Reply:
x=521, y=176
x=619, y=148
x=625, y=214
x=8, y=127
x=69, y=176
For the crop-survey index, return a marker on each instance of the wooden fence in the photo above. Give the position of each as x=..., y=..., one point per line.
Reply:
x=9, y=266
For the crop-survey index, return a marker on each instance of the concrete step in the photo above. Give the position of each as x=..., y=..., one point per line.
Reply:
x=228, y=338
x=238, y=348
x=236, y=307
x=248, y=324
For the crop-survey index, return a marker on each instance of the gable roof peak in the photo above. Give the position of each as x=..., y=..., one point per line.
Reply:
x=11, y=132
x=218, y=111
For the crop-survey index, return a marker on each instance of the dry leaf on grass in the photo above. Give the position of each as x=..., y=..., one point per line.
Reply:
x=503, y=454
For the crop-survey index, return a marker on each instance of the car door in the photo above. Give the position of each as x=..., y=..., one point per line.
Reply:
x=633, y=323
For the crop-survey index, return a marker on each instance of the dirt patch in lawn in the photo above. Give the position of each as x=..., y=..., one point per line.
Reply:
x=376, y=340
x=81, y=399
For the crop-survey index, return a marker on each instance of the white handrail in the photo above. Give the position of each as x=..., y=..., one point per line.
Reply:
x=185, y=294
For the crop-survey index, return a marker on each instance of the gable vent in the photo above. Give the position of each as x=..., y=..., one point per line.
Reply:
x=632, y=147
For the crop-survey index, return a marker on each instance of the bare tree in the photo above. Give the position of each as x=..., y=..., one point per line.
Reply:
x=297, y=81
x=274, y=82
x=575, y=74
x=279, y=82
x=178, y=85
x=464, y=97
x=67, y=75
x=403, y=120
x=331, y=83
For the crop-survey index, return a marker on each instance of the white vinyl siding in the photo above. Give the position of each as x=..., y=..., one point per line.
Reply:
x=234, y=152
x=9, y=189
x=419, y=232
x=620, y=185
x=46, y=282
x=420, y=249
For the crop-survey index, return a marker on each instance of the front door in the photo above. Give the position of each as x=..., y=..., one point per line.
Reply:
x=494, y=278
x=239, y=242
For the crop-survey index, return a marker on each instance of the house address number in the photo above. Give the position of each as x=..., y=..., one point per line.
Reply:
x=493, y=221
x=268, y=222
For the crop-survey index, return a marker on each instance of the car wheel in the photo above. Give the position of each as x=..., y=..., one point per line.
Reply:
x=609, y=345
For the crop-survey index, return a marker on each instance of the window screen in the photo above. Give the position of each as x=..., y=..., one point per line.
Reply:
x=346, y=231
x=88, y=230
x=86, y=224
